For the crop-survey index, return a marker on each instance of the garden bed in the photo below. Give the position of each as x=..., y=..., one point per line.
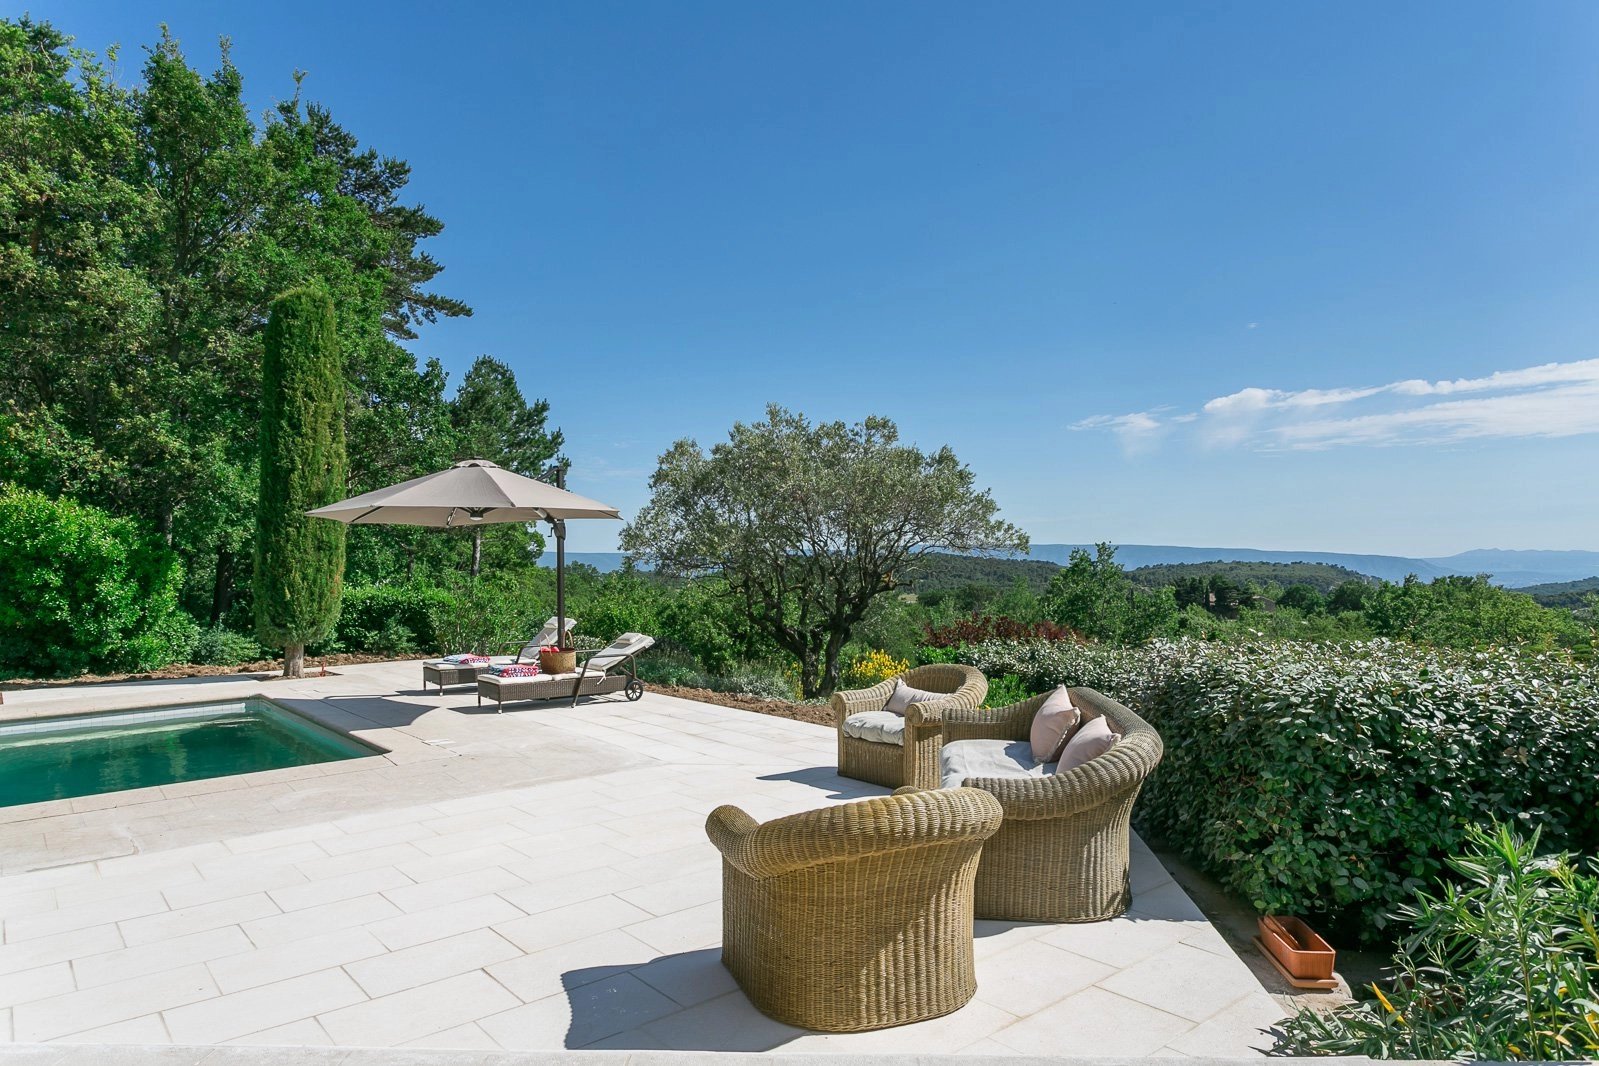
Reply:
x=179, y=671
x=814, y=713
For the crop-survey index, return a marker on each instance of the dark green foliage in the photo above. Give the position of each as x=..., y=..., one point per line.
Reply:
x=81, y=590
x=1570, y=594
x=299, y=560
x=1350, y=596
x=1464, y=612
x=941, y=572
x=1323, y=577
x=1500, y=963
x=1303, y=598
x=1333, y=780
x=1093, y=596
x=223, y=647
x=396, y=619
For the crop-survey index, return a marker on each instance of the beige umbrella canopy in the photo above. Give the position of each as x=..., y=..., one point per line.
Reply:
x=472, y=491
x=469, y=492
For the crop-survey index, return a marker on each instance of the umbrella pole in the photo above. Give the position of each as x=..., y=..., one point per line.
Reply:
x=560, y=582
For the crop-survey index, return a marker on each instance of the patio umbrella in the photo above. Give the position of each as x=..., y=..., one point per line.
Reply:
x=469, y=492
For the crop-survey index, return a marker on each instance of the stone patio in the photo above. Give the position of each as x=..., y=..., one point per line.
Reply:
x=533, y=880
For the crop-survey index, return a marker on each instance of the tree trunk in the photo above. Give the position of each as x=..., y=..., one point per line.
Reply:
x=477, y=550
x=809, y=682
x=222, y=587
x=294, y=660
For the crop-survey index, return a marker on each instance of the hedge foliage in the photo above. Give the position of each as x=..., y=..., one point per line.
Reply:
x=81, y=590
x=1335, y=780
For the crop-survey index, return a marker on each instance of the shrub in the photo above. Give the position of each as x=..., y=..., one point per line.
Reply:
x=84, y=590
x=1333, y=780
x=396, y=619
x=874, y=666
x=1005, y=690
x=223, y=647
x=487, y=614
x=1503, y=966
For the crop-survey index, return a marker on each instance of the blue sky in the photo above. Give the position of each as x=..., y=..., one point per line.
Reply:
x=1223, y=274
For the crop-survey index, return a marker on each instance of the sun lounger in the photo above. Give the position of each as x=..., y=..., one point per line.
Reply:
x=611, y=669
x=441, y=673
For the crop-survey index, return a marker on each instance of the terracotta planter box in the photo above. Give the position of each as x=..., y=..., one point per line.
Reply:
x=1297, y=948
x=557, y=662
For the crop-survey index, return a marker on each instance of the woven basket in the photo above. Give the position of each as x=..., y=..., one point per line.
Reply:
x=557, y=662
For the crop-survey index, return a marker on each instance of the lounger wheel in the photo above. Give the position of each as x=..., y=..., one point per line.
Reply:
x=634, y=690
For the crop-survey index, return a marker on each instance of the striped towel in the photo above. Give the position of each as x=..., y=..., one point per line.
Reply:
x=515, y=669
x=465, y=659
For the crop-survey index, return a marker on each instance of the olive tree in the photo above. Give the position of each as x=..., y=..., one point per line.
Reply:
x=808, y=524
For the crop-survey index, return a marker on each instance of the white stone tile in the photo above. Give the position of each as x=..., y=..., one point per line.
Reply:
x=353, y=862
x=319, y=921
x=1119, y=942
x=397, y=971
x=305, y=1033
x=428, y=894
x=552, y=892
x=333, y=889
x=585, y=1014
x=565, y=966
x=241, y=1013
x=690, y=978
x=62, y=947
x=436, y=867
x=211, y=890
x=263, y=966
x=1167, y=901
x=111, y=966
x=38, y=983
x=468, y=1037
x=685, y=930
x=275, y=838
x=1094, y=1023
x=381, y=836
x=974, y=1022
x=1234, y=1032
x=1031, y=976
x=419, y=927
x=254, y=863
x=563, y=924
x=196, y=919
x=676, y=894
x=1185, y=981
x=83, y=916
x=119, y=1001
x=147, y=1030
x=726, y=1023
x=416, y=1012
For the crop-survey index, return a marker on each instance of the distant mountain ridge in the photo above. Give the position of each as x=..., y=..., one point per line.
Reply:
x=1508, y=567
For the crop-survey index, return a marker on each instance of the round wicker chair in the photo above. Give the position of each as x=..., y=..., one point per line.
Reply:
x=1062, y=853
x=915, y=762
x=856, y=916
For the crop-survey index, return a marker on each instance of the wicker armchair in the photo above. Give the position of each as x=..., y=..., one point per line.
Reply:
x=915, y=762
x=856, y=916
x=1061, y=854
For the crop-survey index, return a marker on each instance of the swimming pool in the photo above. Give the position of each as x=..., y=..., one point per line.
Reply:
x=85, y=755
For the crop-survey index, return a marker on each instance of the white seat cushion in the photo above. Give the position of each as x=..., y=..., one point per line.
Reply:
x=962, y=759
x=880, y=727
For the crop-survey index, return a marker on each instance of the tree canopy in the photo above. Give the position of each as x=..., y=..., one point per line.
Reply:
x=808, y=524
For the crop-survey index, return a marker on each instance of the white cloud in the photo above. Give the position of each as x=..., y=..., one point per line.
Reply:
x=1551, y=400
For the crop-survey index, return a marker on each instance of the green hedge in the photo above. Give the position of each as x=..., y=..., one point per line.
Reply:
x=1334, y=780
x=81, y=590
x=397, y=619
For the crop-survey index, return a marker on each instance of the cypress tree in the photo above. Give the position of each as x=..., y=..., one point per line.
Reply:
x=299, y=561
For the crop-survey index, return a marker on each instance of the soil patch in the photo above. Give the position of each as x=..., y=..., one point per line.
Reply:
x=814, y=713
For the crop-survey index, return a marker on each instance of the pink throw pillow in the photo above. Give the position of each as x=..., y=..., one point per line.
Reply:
x=1054, y=725
x=1092, y=739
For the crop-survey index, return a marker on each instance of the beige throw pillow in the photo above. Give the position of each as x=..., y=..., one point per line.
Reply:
x=1053, y=725
x=903, y=696
x=1092, y=739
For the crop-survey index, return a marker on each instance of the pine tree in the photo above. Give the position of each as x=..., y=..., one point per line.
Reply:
x=299, y=560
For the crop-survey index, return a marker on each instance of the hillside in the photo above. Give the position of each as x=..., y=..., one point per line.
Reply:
x=1136, y=556
x=941, y=571
x=1323, y=577
x=1563, y=593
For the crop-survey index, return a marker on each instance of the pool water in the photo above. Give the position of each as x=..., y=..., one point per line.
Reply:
x=85, y=755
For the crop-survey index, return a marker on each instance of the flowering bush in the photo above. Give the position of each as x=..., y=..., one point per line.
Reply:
x=871, y=668
x=981, y=628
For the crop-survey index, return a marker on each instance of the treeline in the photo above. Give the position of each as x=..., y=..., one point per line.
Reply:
x=144, y=229
x=1578, y=595
x=1264, y=577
